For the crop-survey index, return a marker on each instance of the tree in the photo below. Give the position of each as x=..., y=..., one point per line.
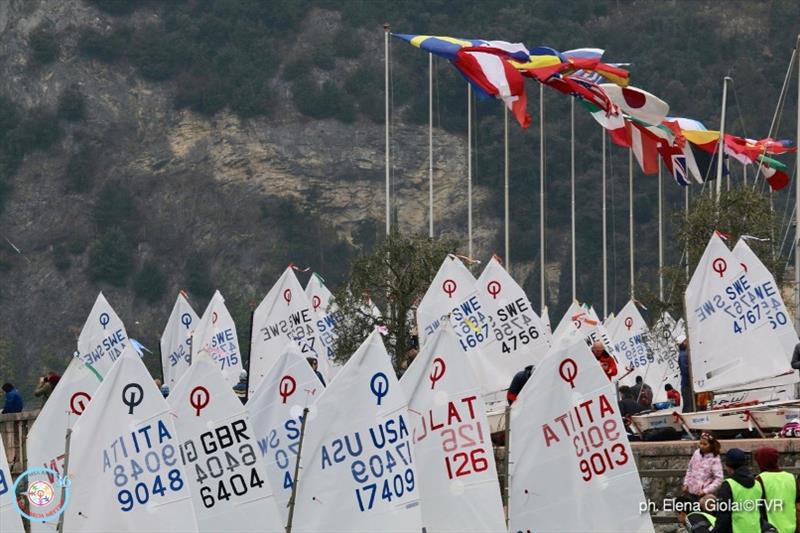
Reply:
x=110, y=258
x=396, y=276
x=72, y=104
x=150, y=283
x=44, y=45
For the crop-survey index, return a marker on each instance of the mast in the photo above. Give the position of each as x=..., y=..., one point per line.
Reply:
x=797, y=205
x=469, y=169
x=541, y=196
x=660, y=235
x=721, y=142
x=505, y=185
x=605, y=232
x=630, y=219
x=572, y=186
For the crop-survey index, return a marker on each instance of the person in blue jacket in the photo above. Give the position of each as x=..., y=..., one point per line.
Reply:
x=13, y=403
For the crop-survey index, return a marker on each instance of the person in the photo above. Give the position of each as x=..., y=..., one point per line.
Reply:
x=517, y=382
x=796, y=366
x=157, y=381
x=604, y=358
x=314, y=364
x=47, y=383
x=696, y=518
x=738, y=506
x=241, y=388
x=704, y=473
x=778, y=486
x=686, y=383
x=643, y=393
x=13, y=403
x=164, y=390
x=673, y=396
x=628, y=406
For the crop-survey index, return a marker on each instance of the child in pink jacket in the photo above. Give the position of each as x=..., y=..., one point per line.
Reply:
x=704, y=474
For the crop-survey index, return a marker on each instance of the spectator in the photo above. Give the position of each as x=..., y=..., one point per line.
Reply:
x=241, y=388
x=13, y=403
x=686, y=383
x=778, y=486
x=158, y=383
x=704, y=473
x=313, y=362
x=517, y=382
x=164, y=390
x=696, y=518
x=642, y=393
x=739, y=509
x=47, y=383
x=604, y=358
x=673, y=396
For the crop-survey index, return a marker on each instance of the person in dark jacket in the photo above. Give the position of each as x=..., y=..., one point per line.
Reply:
x=314, y=364
x=240, y=389
x=517, y=382
x=796, y=366
x=13, y=403
x=740, y=487
x=686, y=384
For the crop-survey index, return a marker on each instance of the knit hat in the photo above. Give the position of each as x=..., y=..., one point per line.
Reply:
x=767, y=458
x=735, y=458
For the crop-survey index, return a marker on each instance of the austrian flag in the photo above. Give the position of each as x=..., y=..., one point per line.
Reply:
x=488, y=69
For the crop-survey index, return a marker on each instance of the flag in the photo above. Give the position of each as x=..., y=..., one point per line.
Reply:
x=644, y=145
x=675, y=161
x=638, y=103
x=777, y=179
x=776, y=146
x=588, y=65
x=486, y=68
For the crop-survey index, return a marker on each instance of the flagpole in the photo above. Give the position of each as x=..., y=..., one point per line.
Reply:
x=721, y=142
x=686, y=211
x=605, y=231
x=469, y=169
x=744, y=174
x=572, y=186
x=660, y=235
x=430, y=145
x=386, y=115
x=797, y=206
x=505, y=186
x=541, y=196
x=630, y=217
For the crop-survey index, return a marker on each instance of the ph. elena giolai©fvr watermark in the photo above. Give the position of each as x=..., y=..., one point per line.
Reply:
x=678, y=506
x=45, y=502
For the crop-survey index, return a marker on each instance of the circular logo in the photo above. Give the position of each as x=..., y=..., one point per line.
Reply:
x=45, y=487
x=40, y=493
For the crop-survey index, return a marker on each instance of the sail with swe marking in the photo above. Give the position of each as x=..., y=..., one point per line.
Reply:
x=632, y=346
x=226, y=476
x=10, y=520
x=103, y=337
x=176, y=341
x=456, y=472
x=566, y=426
x=453, y=292
x=517, y=336
x=216, y=334
x=327, y=318
x=125, y=462
x=781, y=324
x=729, y=317
x=46, y=439
x=357, y=467
x=276, y=414
x=664, y=339
x=283, y=315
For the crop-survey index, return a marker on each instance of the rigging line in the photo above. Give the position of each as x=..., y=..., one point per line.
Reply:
x=739, y=109
x=789, y=221
x=786, y=237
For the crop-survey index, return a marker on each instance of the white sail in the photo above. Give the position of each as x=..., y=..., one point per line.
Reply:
x=283, y=315
x=574, y=309
x=276, y=411
x=664, y=342
x=225, y=472
x=327, y=318
x=125, y=462
x=453, y=292
x=580, y=322
x=782, y=325
x=546, y=322
x=10, y=520
x=357, y=469
x=103, y=337
x=216, y=334
x=609, y=321
x=456, y=472
x=572, y=468
x=729, y=317
x=517, y=337
x=176, y=341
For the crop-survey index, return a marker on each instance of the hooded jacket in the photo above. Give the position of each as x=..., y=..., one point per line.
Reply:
x=745, y=477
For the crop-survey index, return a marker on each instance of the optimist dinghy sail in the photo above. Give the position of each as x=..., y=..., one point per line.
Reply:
x=10, y=520
x=327, y=318
x=456, y=472
x=176, y=341
x=225, y=473
x=357, y=468
x=664, y=343
x=103, y=337
x=732, y=324
x=216, y=334
x=566, y=432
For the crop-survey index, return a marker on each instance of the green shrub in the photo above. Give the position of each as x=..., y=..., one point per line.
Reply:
x=347, y=44
x=76, y=244
x=150, y=283
x=110, y=258
x=105, y=47
x=115, y=208
x=198, y=276
x=61, y=258
x=39, y=130
x=44, y=45
x=72, y=104
x=80, y=171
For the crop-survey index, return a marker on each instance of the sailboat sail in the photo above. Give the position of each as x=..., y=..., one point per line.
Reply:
x=456, y=472
x=223, y=467
x=327, y=319
x=566, y=426
x=283, y=315
x=10, y=520
x=632, y=344
x=103, y=337
x=731, y=324
x=276, y=412
x=125, y=461
x=517, y=335
x=216, y=335
x=176, y=341
x=357, y=468
x=664, y=343
x=546, y=322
